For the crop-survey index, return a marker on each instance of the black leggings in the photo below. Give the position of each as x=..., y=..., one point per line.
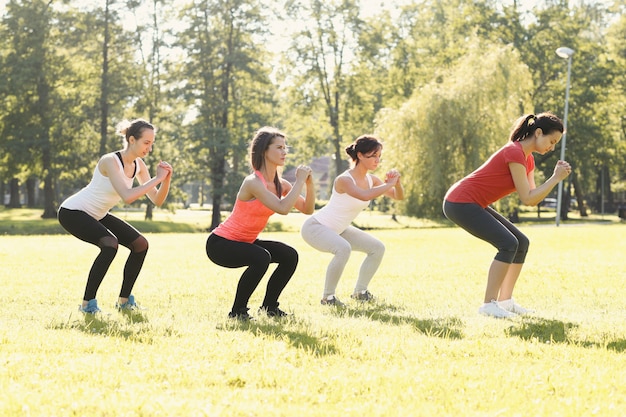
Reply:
x=257, y=257
x=106, y=233
x=489, y=225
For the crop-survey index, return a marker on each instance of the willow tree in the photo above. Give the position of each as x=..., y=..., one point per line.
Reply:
x=450, y=126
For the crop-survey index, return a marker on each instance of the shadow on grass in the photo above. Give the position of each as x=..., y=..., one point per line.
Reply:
x=555, y=331
x=281, y=329
x=445, y=328
x=135, y=326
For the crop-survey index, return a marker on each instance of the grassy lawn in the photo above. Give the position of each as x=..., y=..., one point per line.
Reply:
x=420, y=350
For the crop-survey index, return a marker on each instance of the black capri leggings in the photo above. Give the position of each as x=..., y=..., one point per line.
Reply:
x=257, y=257
x=490, y=226
x=106, y=233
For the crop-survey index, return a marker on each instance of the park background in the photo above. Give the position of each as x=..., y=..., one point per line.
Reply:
x=440, y=82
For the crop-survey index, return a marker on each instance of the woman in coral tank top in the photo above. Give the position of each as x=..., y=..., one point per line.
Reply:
x=235, y=243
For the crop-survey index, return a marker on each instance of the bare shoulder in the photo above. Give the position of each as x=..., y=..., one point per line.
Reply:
x=250, y=186
x=251, y=180
x=342, y=182
x=106, y=162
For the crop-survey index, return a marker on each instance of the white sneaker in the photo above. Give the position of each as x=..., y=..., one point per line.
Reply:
x=494, y=310
x=511, y=306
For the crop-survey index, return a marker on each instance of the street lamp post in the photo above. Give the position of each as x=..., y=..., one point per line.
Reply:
x=565, y=53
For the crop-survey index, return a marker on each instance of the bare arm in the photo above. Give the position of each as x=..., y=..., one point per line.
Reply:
x=529, y=194
x=252, y=187
x=306, y=204
x=109, y=168
x=346, y=185
x=397, y=192
x=156, y=195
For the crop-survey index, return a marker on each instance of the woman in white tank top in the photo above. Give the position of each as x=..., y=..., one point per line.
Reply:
x=330, y=229
x=86, y=213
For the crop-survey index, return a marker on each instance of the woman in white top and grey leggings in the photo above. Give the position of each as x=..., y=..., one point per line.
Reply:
x=330, y=229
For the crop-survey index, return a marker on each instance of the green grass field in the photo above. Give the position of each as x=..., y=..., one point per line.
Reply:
x=421, y=350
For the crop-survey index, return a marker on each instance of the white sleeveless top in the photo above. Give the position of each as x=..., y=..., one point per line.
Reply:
x=342, y=208
x=99, y=196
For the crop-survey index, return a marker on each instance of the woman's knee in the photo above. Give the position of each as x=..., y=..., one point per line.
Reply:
x=292, y=254
x=108, y=242
x=261, y=258
x=507, y=249
x=379, y=248
x=342, y=248
x=139, y=245
x=523, y=243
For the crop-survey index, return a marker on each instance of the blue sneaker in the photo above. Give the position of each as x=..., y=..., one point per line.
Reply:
x=129, y=305
x=90, y=308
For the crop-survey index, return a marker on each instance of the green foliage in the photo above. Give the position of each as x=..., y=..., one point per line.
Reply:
x=205, y=74
x=449, y=127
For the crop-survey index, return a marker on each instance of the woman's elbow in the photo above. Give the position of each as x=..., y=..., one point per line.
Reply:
x=529, y=202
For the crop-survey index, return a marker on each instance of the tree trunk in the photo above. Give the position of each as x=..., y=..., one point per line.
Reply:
x=14, y=192
x=49, y=211
x=149, y=210
x=104, y=83
x=580, y=198
x=30, y=192
x=216, y=215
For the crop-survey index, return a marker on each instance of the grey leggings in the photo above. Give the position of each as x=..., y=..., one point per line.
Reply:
x=490, y=226
x=341, y=246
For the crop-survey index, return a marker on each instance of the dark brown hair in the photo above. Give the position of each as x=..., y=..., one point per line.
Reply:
x=365, y=144
x=262, y=139
x=526, y=125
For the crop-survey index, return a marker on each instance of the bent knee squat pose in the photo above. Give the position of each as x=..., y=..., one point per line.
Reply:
x=235, y=243
x=511, y=168
x=86, y=213
x=330, y=229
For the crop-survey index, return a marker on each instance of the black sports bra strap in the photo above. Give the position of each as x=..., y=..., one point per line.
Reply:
x=119, y=155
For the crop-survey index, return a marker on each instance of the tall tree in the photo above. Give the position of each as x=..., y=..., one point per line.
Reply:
x=27, y=86
x=323, y=49
x=579, y=28
x=224, y=55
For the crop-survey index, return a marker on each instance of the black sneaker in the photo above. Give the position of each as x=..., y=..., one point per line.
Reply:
x=241, y=314
x=273, y=311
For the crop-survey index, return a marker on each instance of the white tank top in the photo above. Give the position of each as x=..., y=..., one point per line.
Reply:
x=342, y=208
x=99, y=196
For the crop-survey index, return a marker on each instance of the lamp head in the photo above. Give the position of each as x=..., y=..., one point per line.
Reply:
x=565, y=52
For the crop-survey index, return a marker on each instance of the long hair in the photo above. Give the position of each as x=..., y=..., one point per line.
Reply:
x=262, y=139
x=526, y=125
